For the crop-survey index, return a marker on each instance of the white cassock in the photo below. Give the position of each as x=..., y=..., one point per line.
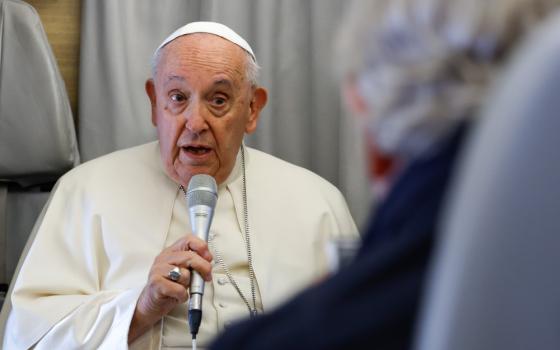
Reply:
x=109, y=218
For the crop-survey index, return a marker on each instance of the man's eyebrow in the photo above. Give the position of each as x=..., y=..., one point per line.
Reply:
x=226, y=82
x=173, y=77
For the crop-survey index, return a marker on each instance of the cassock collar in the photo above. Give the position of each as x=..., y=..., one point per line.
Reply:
x=237, y=171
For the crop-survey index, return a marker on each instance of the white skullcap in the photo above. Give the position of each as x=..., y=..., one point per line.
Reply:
x=210, y=28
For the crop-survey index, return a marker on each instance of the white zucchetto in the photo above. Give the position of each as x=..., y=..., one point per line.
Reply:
x=210, y=28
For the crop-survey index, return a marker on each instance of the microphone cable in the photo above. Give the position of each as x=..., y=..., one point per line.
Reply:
x=195, y=317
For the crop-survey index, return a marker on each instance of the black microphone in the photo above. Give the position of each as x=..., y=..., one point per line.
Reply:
x=202, y=195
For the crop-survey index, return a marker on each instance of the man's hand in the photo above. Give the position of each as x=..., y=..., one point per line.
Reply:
x=161, y=295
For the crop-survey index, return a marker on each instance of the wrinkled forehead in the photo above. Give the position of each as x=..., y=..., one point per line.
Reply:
x=203, y=56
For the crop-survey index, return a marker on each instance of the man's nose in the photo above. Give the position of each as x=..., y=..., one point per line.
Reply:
x=195, y=120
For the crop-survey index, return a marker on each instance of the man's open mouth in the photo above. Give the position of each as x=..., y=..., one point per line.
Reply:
x=198, y=150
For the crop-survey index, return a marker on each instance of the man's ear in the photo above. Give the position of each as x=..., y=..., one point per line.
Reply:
x=151, y=92
x=258, y=101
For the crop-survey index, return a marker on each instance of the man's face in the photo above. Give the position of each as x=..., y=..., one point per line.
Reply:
x=202, y=105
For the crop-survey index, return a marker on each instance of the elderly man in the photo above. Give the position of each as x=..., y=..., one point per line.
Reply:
x=98, y=272
x=416, y=71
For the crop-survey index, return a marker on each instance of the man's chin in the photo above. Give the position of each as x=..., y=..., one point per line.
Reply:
x=184, y=174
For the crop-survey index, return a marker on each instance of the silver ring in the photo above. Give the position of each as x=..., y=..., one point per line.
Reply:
x=174, y=274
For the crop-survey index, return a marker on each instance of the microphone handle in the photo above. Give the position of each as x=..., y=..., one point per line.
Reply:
x=196, y=291
x=201, y=217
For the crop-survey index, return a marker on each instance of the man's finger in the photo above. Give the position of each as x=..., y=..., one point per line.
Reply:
x=184, y=274
x=191, y=260
x=166, y=288
x=191, y=242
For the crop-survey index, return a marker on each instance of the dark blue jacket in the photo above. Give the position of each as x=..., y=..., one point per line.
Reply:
x=373, y=302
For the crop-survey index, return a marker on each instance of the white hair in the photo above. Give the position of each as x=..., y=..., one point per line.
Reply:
x=252, y=68
x=424, y=65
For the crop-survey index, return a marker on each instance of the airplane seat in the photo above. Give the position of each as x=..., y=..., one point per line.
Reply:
x=37, y=136
x=494, y=282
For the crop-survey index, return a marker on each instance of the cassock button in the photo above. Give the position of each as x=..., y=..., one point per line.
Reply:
x=222, y=281
x=222, y=305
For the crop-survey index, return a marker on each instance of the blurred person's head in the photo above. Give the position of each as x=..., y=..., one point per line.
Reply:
x=415, y=69
x=204, y=98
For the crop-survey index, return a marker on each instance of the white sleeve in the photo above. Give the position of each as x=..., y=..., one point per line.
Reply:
x=341, y=222
x=99, y=322
x=66, y=295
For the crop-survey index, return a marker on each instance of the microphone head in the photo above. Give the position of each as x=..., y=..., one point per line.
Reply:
x=202, y=190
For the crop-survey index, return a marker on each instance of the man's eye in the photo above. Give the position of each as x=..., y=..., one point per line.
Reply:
x=219, y=101
x=177, y=98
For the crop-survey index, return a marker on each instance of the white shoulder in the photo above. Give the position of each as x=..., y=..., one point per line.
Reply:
x=271, y=167
x=306, y=193
x=131, y=165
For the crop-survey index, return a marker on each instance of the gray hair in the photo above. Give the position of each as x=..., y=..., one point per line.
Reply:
x=424, y=65
x=252, y=68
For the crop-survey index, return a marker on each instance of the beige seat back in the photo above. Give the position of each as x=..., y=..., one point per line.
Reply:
x=37, y=135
